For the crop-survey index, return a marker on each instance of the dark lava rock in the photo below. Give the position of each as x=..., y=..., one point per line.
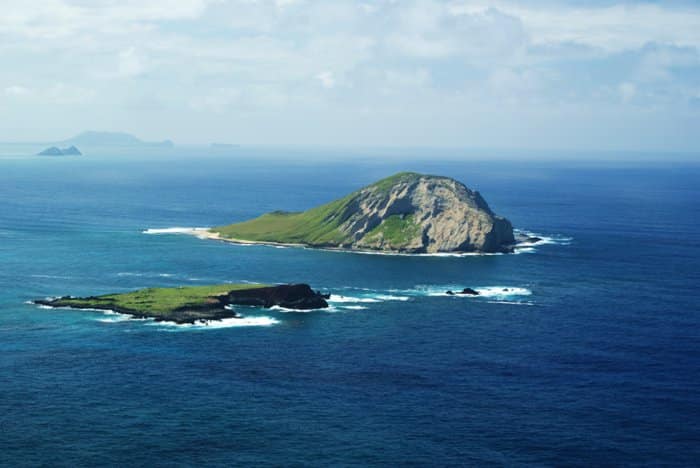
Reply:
x=292, y=296
x=469, y=291
x=289, y=296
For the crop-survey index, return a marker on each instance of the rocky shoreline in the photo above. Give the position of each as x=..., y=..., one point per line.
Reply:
x=210, y=307
x=521, y=240
x=406, y=213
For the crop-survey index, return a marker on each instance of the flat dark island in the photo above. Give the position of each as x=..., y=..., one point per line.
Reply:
x=192, y=304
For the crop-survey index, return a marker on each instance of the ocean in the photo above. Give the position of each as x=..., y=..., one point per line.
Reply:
x=583, y=350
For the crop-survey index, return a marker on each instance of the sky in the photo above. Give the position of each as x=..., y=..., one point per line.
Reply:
x=537, y=74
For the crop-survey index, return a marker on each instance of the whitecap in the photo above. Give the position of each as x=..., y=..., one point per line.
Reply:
x=142, y=274
x=374, y=297
x=389, y=297
x=286, y=309
x=51, y=276
x=525, y=303
x=354, y=307
x=118, y=318
x=258, y=321
x=502, y=291
x=484, y=291
x=86, y=309
x=555, y=239
x=343, y=299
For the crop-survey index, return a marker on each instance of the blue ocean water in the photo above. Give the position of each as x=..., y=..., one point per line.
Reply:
x=590, y=358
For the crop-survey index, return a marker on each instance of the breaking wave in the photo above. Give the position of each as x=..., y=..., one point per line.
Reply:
x=259, y=321
x=529, y=247
x=175, y=230
x=286, y=309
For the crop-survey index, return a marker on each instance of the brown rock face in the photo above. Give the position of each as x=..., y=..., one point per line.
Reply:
x=411, y=212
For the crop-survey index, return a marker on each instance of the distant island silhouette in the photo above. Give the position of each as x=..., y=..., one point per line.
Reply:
x=56, y=151
x=121, y=139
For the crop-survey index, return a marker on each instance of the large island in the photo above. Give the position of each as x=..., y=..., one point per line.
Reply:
x=196, y=303
x=407, y=212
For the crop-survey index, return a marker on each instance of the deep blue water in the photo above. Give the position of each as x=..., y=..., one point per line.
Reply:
x=600, y=364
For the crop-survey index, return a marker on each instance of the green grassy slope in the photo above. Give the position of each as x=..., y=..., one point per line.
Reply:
x=157, y=301
x=317, y=226
x=395, y=231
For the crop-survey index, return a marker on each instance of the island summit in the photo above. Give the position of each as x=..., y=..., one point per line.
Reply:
x=405, y=213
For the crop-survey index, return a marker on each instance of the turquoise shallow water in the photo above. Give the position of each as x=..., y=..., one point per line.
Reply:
x=590, y=358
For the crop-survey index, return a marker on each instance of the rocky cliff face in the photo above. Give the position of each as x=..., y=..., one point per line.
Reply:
x=290, y=296
x=411, y=212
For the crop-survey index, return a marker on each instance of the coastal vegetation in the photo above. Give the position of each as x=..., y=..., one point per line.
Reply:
x=406, y=212
x=192, y=303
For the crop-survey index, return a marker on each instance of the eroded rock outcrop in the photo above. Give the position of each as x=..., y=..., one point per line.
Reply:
x=420, y=213
x=407, y=212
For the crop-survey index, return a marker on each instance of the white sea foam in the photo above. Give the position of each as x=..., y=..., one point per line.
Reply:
x=503, y=291
x=389, y=297
x=286, y=309
x=140, y=274
x=51, y=276
x=153, y=274
x=259, y=321
x=400, y=254
x=85, y=309
x=490, y=292
x=117, y=318
x=525, y=303
x=520, y=248
x=375, y=297
x=555, y=239
x=349, y=299
x=354, y=307
x=175, y=230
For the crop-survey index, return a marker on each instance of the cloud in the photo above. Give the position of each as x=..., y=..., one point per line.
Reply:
x=627, y=91
x=408, y=59
x=130, y=63
x=326, y=78
x=17, y=91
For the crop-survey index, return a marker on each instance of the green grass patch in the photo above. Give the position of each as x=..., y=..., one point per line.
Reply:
x=317, y=226
x=158, y=301
x=396, y=230
x=385, y=185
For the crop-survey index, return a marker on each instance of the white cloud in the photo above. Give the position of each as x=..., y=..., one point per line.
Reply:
x=611, y=28
x=408, y=58
x=130, y=63
x=627, y=91
x=68, y=94
x=327, y=79
x=17, y=91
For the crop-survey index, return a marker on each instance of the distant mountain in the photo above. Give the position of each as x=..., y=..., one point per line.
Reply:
x=92, y=138
x=71, y=151
x=55, y=151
